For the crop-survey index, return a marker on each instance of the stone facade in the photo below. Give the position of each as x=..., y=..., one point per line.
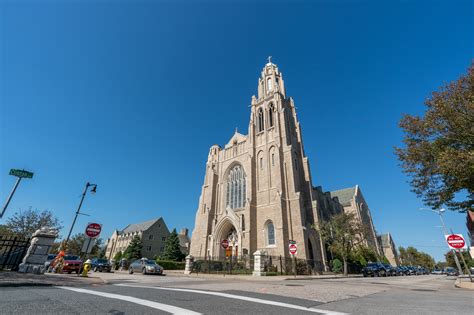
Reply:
x=470, y=232
x=257, y=190
x=389, y=249
x=354, y=202
x=153, y=234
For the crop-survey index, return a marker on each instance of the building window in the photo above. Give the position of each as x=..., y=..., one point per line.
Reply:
x=273, y=159
x=163, y=238
x=261, y=163
x=260, y=120
x=150, y=237
x=236, y=188
x=148, y=248
x=243, y=223
x=270, y=229
x=270, y=84
x=270, y=115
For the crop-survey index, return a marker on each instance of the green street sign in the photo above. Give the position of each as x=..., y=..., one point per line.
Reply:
x=21, y=173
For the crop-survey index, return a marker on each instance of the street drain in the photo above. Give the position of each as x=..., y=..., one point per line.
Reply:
x=294, y=285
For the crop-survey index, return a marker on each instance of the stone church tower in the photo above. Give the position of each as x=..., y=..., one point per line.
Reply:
x=257, y=190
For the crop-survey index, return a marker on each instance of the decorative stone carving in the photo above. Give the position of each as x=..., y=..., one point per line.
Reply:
x=37, y=253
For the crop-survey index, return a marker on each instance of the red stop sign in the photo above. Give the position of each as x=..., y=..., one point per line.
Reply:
x=293, y=249
x=225, y=244
x=456, y=241
x=93, y=229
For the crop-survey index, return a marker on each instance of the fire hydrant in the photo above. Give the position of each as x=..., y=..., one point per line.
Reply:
x=86, y=267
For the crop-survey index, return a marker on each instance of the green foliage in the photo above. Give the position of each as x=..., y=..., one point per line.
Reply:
x=411, y=256
x=385, y=260
x=25, y=223
x=118, y=256
x=172, y=248
x=77, y=241
x=342, y=234
x=450, y=262
x=134, y=250
x=363, y=255
x=336, y=265
x=439, y=152
x=171, y=265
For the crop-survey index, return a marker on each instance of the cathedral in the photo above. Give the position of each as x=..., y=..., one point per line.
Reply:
x=257, y=192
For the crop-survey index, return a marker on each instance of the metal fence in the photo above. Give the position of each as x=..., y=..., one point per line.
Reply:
x=230, y=265
x=12, y=251
x=292, y=266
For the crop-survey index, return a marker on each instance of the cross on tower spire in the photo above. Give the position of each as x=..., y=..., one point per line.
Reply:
x=269, y=59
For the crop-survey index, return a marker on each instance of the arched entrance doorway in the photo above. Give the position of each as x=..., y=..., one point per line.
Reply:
x=227, y=231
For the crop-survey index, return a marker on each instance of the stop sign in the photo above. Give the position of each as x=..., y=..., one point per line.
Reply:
x=93, y=229
x=225, y=244
x=455, y=241
x=293, y=249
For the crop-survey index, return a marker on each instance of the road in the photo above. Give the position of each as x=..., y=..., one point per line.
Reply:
x=137, y=294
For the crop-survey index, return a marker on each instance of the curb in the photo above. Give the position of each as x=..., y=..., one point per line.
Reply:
x=25, y=284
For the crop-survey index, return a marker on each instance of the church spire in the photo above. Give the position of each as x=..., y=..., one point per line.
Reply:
x=271, y=80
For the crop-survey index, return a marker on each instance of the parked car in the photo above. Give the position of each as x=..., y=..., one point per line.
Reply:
x=450, y=271
x=411, y=271
x=391, y=271
x=437, y=272
x=72, y=264
x=145, y=266
x=402, y=271
x=101, y=264
x=375, y=270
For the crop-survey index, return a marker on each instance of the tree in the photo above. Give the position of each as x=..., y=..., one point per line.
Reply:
x=25, y=223
x=172, y=248
x=77, y=242
x=411, y=256
x=451, y=263
x=439, y=152
x=343, y=235
x=118, y=256
x=134, y=250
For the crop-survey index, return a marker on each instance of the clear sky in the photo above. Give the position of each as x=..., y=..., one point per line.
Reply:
x=130, y=95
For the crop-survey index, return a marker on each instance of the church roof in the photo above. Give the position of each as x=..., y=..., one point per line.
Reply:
x=237, y=137
x=344, y=195
x=143, y=226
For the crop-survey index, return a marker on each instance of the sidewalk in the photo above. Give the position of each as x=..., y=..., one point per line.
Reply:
x=16, y=279
x=464, y=282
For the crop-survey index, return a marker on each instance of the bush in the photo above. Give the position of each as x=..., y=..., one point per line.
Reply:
x=336, y=266
x=171, y=265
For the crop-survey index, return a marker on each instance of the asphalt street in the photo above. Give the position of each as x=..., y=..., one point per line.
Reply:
x=178, y=295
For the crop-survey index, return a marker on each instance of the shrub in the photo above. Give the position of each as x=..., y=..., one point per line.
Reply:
x=336, y=265
x=171, y=265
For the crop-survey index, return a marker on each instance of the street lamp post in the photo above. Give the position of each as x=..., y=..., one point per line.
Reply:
x=445, y=230
x=93, y=190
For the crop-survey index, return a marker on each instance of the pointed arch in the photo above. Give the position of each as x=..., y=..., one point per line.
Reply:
x=260, y=122
x=271, y=110
x=236, y=185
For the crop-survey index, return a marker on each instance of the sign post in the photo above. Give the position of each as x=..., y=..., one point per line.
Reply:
x=93, y=230
x=20, y=174
x=457, y=242
x=293, y=248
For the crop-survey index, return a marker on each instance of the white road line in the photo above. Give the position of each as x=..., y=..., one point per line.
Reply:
x=238, y=297
x=159, y=306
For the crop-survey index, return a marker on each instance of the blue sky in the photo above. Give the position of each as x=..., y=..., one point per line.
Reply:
x=131, y=94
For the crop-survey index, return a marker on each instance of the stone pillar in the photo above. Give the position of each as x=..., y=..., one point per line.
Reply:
x=188, y=267
x=258, y=264
x=37, y=253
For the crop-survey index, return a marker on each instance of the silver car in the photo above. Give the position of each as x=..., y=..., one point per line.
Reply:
x=145, y=266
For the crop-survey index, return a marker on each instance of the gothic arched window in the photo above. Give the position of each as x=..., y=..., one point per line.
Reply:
x=260, y=120
x=236, y=188
x=270, y=115
x=270, y=84
x=270, y=231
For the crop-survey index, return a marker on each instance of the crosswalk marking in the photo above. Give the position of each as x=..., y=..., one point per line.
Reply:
x=159, y=306
x=238, y=297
